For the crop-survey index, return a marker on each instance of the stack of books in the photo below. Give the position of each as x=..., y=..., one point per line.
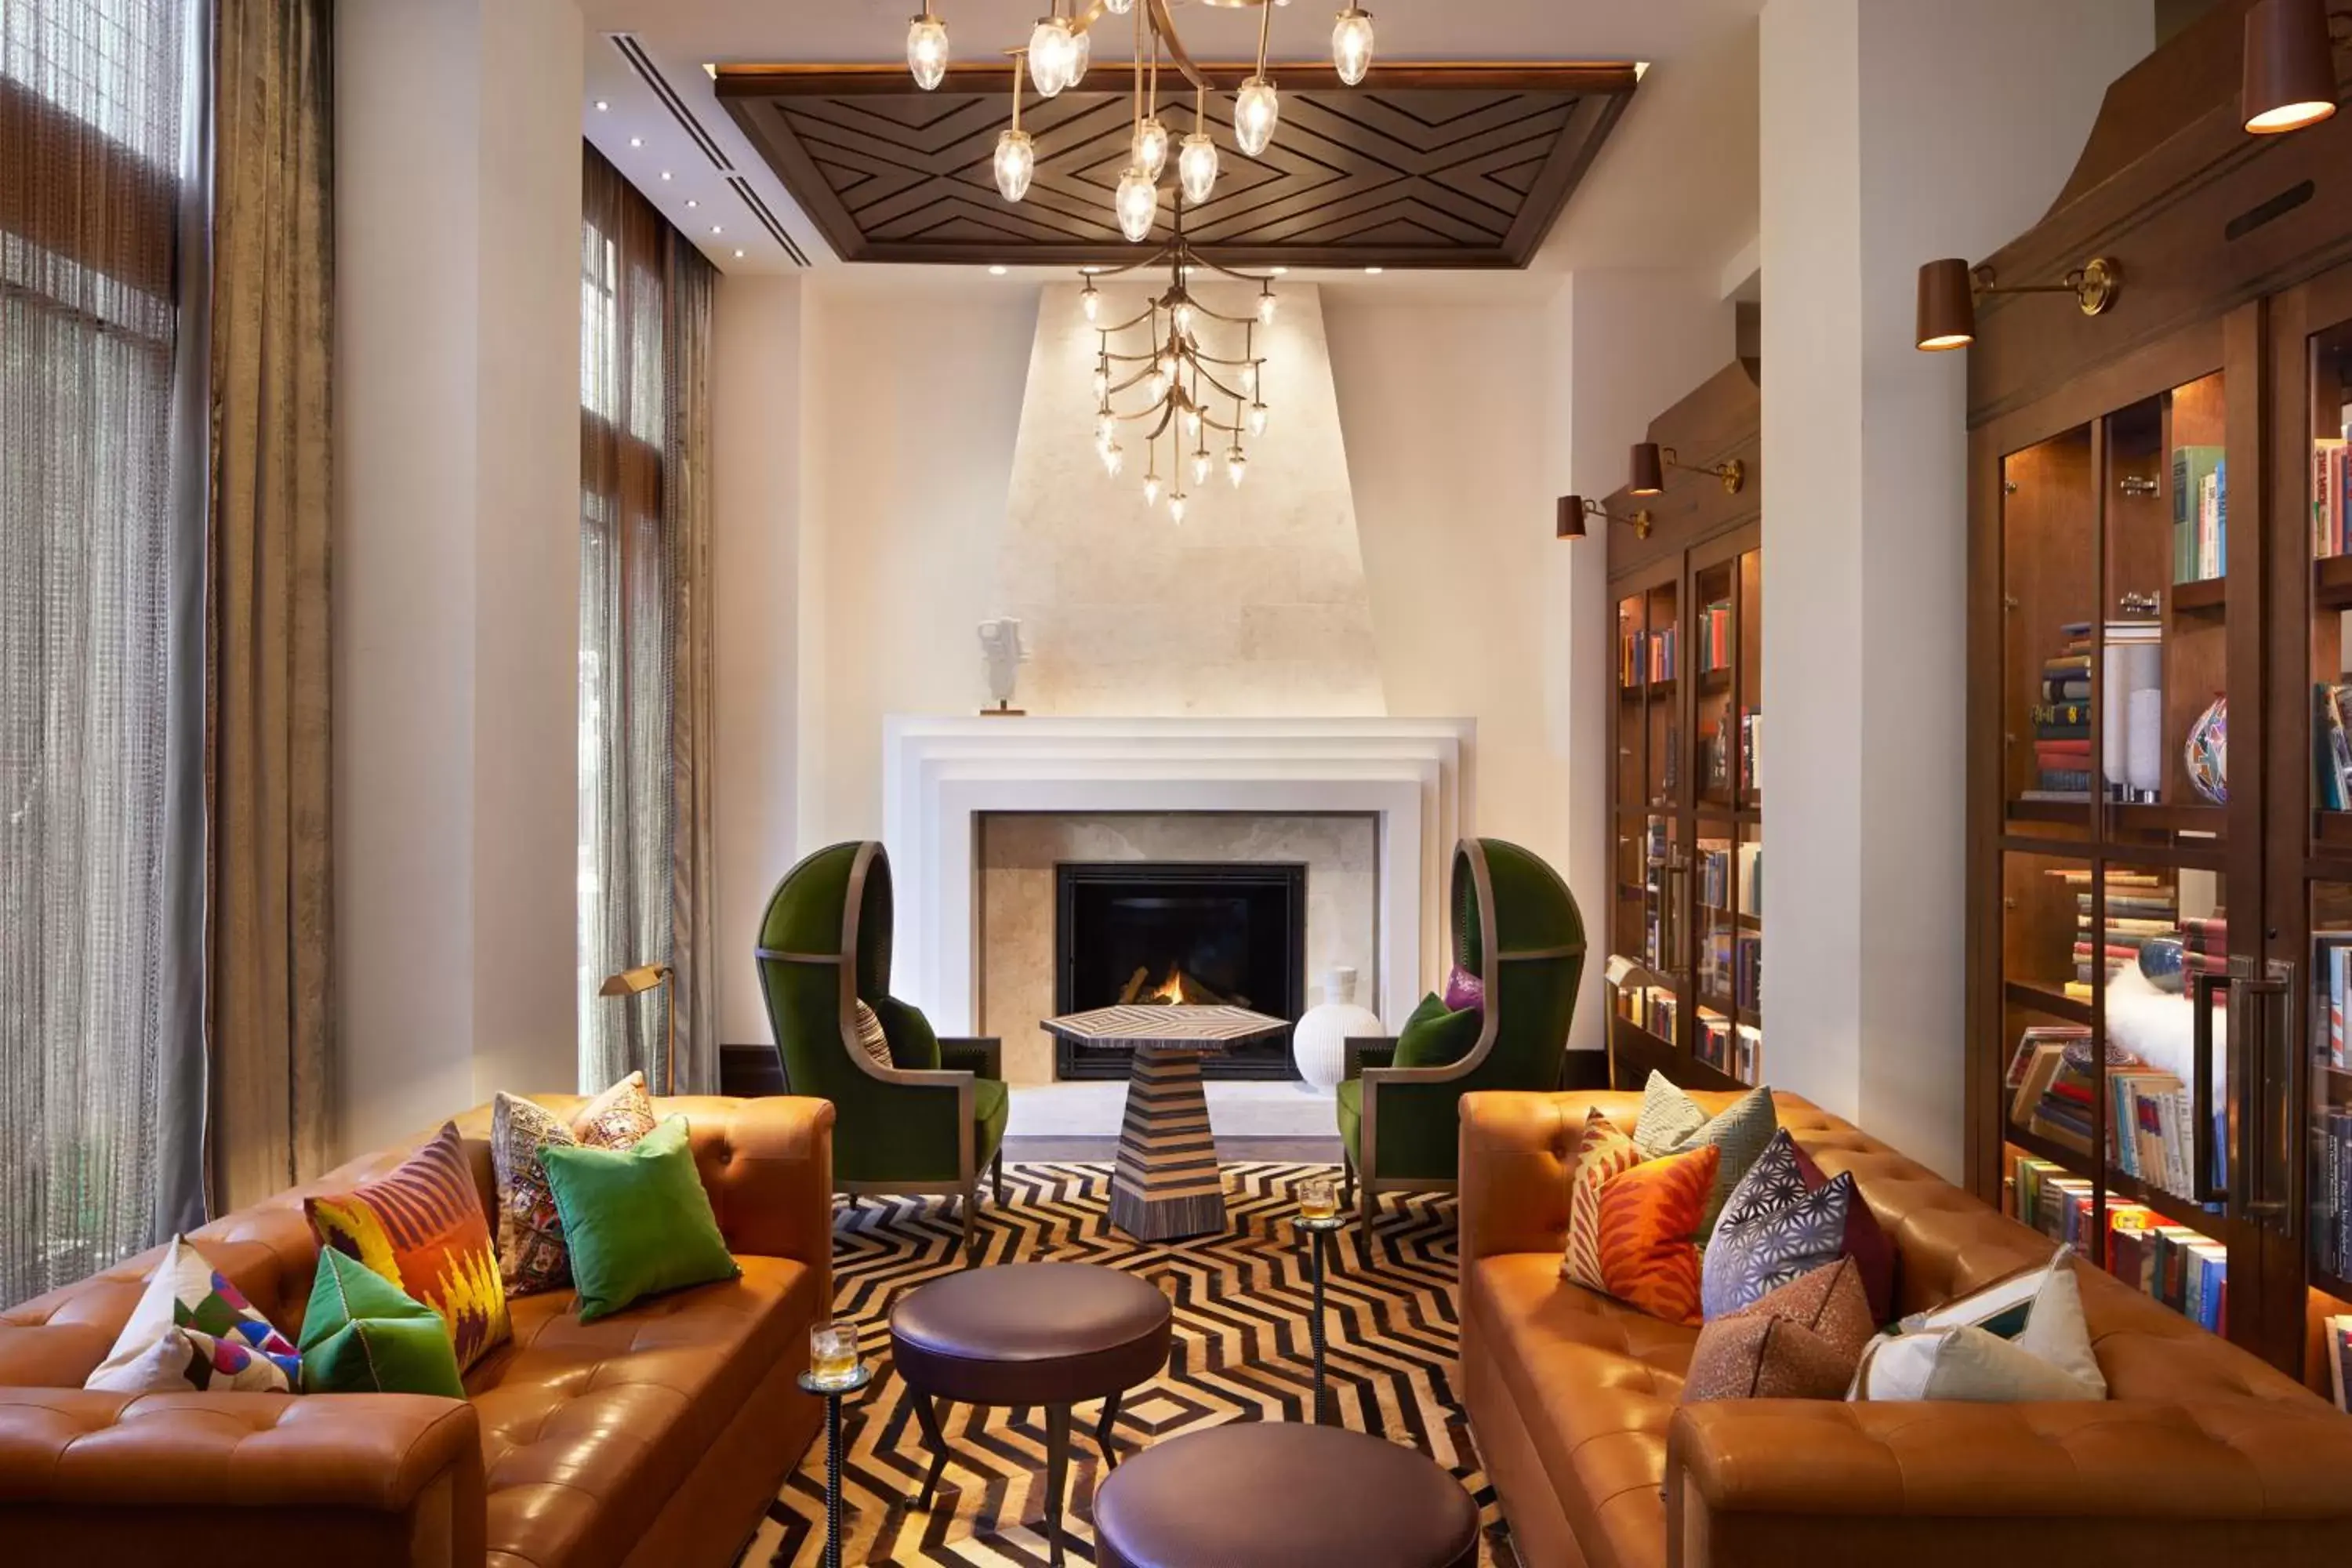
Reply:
x=2205, y=944
x=1712, y=1041
x=1751, y=741
x=1731, y=1049
x=2188, y=1272
x=1748, y=972
x=2200, y=513
x=1731, y=875
x=2331, y=476
x=2151, y=1122
x=1645, y=659
x=2331, y=962
x=1715, y=637
x=2141, y=907
x=2062, y=721
x=2331, y=1220
x=2054, y=1203
x=2331, y=744
x=2337, y=1332
x=1650, y=1007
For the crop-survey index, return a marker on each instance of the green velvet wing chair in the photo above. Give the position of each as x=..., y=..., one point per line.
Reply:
x=922, y=1124
x=1518, y=929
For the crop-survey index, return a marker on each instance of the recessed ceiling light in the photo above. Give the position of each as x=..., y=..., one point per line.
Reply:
x=1373, y=272
x=718, y=228
x=1282, y=272
x=602, y=106
x=997, y=271
x=665, y=173
x=738, y=253
x=636, y=140
x=692, y=202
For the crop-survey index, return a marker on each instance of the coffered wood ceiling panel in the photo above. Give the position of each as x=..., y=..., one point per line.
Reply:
x=1441, y=165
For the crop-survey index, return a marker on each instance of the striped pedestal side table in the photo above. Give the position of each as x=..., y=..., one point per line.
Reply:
x=1166, y=1184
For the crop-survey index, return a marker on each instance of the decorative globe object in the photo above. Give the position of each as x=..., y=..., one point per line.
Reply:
x=2207, y=753
x=1318, y=1042
x=2164, y=962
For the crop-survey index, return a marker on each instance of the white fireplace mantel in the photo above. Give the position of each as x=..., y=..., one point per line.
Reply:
x=940, y=774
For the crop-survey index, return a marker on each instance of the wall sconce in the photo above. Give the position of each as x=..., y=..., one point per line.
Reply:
x=1651, y=462
x=2289, y=76
x=1949, y=291
x=1574, y=510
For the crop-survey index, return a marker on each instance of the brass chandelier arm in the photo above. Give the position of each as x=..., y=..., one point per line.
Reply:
x=1219, y=386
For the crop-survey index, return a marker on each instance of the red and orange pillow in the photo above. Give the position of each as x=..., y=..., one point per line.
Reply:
x=1632, y=1221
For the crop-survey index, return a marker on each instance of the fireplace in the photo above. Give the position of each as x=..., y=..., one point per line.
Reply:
x=1148, y=932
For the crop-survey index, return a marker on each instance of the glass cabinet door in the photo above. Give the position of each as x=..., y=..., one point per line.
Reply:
x=2050, y=580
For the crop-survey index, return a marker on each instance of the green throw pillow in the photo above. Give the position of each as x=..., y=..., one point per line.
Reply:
x=913, y=1045
x=637, y=1219
x=362, y=1335
x=1434, y=1038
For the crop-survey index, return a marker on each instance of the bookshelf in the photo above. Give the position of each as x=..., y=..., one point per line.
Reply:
x=2160, y=576
x=1686, y=819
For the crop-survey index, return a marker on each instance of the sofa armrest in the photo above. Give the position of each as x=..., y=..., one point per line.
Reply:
x=1752, y=1482
x=1514, y=1152
x=980, y=1054
x=365, y=1478
x=1367, y=1051
x=767, y=1167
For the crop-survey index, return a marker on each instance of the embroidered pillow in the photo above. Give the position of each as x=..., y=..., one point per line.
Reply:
x=531, y=1256
x=1866, y=1242
x=1601, y=1153
x=871, y=1035
x=1803, y=1341
x=421, y=1228
x=1464, y=989
x=194, y=1330
x=1749, y=1260
x=1648, y=1215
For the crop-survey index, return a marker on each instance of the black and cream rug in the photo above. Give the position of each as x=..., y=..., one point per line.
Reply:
x=1242, y=1353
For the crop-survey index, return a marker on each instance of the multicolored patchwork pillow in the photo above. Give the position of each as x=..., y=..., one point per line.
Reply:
x=1769, y=1247
x=1648, y=1215
x=421, y=1228
x=1602, y=1153
x=531, y=1256
x=193, y=1329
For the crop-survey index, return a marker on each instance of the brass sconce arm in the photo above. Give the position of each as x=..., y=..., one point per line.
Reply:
x=1950, y=290
x=1575, y=509
x=1651, y=462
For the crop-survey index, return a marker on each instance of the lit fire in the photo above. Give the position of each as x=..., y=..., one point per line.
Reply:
x=1178, y=990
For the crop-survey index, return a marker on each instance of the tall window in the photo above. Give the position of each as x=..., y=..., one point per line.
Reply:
x=628, y=408
x=91, y=102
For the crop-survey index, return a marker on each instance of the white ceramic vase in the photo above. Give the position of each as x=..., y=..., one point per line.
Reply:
x=1318, y=1043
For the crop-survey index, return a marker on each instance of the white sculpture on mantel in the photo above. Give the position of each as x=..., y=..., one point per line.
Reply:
x=1004, y=653
x=1318, y=1042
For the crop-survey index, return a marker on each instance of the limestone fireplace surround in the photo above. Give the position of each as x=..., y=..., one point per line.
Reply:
x=1415, y=776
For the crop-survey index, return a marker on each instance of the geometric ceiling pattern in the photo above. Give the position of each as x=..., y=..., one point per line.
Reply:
x=1422, y=166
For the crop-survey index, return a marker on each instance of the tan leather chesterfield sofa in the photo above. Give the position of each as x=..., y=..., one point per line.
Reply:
x=656, y=1435
x=2203, y=1456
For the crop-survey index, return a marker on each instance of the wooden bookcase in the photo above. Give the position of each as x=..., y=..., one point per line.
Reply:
x=1687, y=820
x=2228, y=352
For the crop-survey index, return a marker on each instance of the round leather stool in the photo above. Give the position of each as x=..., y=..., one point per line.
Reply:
x=1029, y=1333
x=1281, y=1496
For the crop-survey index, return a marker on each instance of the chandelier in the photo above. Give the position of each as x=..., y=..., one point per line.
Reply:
x=1055, y=59
x=1175, y=387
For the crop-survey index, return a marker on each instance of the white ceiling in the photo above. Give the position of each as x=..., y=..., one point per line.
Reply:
x=1674, y=185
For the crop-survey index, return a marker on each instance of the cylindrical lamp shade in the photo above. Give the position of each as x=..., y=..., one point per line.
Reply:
x=1948, y=305
x=1570, y=524
x=2290, y=80
x=1649, y=470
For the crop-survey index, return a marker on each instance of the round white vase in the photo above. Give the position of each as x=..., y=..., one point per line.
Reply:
x=1318, y=1043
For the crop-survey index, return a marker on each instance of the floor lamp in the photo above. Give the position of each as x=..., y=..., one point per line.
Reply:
x=636, y=983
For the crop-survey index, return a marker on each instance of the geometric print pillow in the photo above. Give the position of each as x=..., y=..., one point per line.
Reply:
x=1765, y=1248
x=193, y=1329
x=531, y=1255
x=1601, y=1153
x=1775, y=1181
x=1648, y=1216
x=421, y=1228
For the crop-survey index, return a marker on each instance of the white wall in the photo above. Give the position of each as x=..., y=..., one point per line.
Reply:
x=1870, y=165
x=455, y=614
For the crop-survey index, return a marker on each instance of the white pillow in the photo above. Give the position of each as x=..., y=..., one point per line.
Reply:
x=194, y=1330
x=1936, y=1357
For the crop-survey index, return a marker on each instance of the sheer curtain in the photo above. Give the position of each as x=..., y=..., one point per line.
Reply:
x=644, y=298
x=93, y=103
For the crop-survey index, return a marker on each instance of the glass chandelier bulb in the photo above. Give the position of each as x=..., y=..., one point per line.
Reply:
x=1255, y=110
x=1102, y=382
x=1082, y=55
x=1106, y=427
x=1091, y=301
x=1167, y=365
x=1191, y=423
x=1265, y=305
x=1117, y=7
x=1151, y=489
x=1149, y=148
x=1176, y=507
x=1236, y=466
x=1249, y=378
x=1196, y=166
x=1053, y=52
x=1016, y=160
x=1201, y=467
x=1351, y=44
x=927, y=51
x=1184, y=318
x=1137, y=205
x=1157, y=387
x=1114, y=457
x=1257, y=419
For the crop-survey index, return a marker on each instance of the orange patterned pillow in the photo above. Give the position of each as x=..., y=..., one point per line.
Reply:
x=422, y=1228
x=1648, y=1216
x=1601, y=1153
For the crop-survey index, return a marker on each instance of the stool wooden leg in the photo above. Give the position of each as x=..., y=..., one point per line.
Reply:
x=1102, y=1429
x=1057, y=1465
x=927, y=1415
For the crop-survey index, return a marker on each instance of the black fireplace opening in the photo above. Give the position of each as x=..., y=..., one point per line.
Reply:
x=1146, y=932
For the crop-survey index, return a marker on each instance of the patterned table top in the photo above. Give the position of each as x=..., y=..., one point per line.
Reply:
x=1164, y=1028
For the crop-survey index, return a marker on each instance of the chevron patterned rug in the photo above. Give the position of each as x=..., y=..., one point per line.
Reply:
x=1242, y=1353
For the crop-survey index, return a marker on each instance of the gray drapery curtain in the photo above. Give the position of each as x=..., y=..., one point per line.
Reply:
x=644, y=635
x=98, y=1043
x=271, y=482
